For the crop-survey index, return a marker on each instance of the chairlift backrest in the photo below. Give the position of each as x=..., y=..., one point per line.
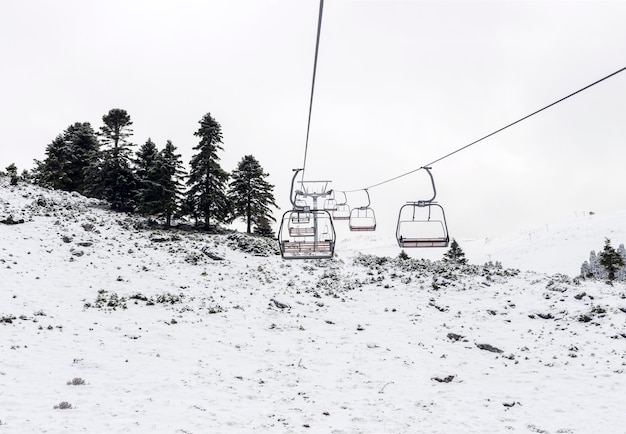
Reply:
x=315, y=240
x=306, y=232
x=330, y=204
x=363, y=218
x=342, y=209
x=416, y=225
x=341, y=212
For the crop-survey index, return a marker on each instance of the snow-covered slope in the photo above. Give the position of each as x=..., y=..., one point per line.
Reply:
x=107, y=326
x=559, y=247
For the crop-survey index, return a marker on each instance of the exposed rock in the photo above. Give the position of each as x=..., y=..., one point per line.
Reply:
x=279, y=304
x=211, y=255
x=455, y=337
x=447, y=379
x=488, y=347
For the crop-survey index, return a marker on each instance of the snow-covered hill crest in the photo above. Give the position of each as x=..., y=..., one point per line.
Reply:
x=108, y=325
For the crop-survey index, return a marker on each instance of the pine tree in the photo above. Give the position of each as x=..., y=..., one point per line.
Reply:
x=593, y=269
x=610, y=259
x=117, y=182
x=455, y=254
x=621, y=272
x=27, y=176
x=12, y=172
x=67, y=159
x=51, y=172
x=116, y=130
x=189, y=207
x=263, y=228
x=112, y=178
x=85, y=149
x=207, y=180
x=161, y=175
x=585, y=269
x=173, y=173
x=250, y=193
x=145, y=159
x=149, y=190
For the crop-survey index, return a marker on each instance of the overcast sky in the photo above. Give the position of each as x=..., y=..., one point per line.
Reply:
x=399, y=84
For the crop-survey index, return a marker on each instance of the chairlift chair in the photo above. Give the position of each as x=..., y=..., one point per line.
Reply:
x=418, y=227
x=313, y=241
x=299, y=202
x=363, y=218
x=330, y=204
x=342, y=209
x=300, y=217
x=422, y=223
x=342, y=212
x=306, y=232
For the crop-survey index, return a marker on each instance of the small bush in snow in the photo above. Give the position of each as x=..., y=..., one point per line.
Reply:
x=10, y=220
x=76, y=381
x=8, y=319
x=64, y=405
x=170, y=298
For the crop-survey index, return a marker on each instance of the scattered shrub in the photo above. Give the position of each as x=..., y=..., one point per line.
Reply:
x=76, y=381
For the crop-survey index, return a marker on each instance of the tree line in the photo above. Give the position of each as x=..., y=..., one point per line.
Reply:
x=153, y=182
x=609, y=264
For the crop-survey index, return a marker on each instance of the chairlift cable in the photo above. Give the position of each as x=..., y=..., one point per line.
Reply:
x=490, y=134
x=317, y=45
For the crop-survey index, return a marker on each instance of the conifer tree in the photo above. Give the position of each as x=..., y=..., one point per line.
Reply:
x=145, y=159
x=12, y=172
x=263, y=228
x=149, y=190
x=172, y=175
x=112, y=178
x=250, y=194
x=68, y=157
x=116, y=130
x=610, y=259
x=51, y=171
x=27, y=176
x=403, y=255
x=189, y=207
x=455, y=254
x=85, y=150
x=621, y=272
x=207, y=180
x=162, y=174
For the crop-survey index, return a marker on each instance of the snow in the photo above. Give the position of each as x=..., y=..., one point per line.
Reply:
x=167, y=339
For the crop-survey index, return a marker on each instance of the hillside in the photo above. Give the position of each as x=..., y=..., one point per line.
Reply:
x=110, y=326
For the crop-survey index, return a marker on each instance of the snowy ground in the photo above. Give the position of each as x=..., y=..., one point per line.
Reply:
x=167, y=339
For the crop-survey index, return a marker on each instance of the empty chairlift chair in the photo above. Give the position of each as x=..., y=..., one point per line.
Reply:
x=363, y=218
x=301, y=223
x=315, y=240
x=300, y=218
x=306, y=232
x=330, y=204
x=342, y=209
x=422, y=223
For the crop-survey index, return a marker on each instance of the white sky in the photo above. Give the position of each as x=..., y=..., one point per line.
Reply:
x=400, y=84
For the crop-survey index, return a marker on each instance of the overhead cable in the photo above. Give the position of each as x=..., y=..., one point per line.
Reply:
x=490, y=134
x=317, y=45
